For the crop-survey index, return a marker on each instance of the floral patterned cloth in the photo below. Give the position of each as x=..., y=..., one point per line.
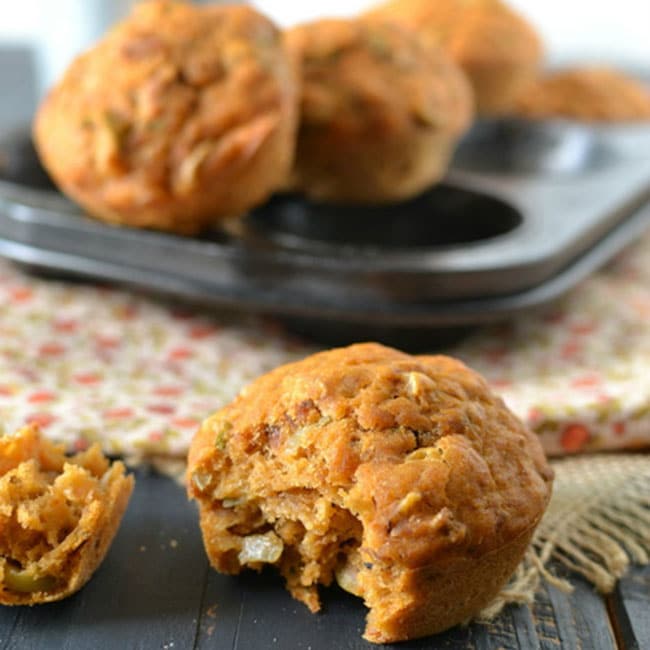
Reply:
x=91, y=363
x=579, y=371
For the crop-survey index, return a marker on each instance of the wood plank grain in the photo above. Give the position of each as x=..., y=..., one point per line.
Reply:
x=630, y=608
x=255, y=611
x=576, y=620
x=513, y=629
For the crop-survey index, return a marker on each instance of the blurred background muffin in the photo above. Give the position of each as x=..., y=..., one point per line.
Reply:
x=180, y=116
x=380, y=111
x=499, y=51
x=594, y=94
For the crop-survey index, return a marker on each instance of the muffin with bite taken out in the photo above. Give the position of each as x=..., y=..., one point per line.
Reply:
x=404, y=478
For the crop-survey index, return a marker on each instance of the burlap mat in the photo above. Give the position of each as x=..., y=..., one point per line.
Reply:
x=597, y=524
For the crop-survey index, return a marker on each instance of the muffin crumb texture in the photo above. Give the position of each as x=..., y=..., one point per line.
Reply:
x=58, y=516
x=401, y=477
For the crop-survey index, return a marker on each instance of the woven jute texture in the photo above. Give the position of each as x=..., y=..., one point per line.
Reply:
x=597, y=524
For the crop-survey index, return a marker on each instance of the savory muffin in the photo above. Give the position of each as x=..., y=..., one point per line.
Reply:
x=180, y=116
x=380, y=111
x=58, y=516
x=586, y=94
x=402, y=477
x=499, y=51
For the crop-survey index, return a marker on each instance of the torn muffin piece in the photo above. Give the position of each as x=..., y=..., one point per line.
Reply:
x=402, y=477
x=58, y=516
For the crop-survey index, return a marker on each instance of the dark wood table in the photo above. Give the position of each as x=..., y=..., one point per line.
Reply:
x=156, y=590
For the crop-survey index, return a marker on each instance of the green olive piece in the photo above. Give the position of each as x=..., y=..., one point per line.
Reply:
x=24, y=582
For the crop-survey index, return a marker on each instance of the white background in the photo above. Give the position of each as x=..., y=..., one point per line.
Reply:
x=615, y=31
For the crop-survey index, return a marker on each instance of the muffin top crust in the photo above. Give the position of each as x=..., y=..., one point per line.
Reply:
x=372, y=76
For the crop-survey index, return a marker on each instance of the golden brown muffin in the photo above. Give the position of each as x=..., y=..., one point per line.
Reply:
x=587, y=94
x=180, y=116
x=401, y=476
x=496, y=47
x=380, y=112
x=58, y=516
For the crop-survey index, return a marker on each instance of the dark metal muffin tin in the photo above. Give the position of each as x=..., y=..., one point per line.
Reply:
x=526, y=212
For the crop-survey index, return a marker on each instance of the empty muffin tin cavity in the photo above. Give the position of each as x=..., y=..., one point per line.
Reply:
x=444, y=215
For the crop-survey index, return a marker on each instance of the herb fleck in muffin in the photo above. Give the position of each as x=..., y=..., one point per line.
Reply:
x=380, y=111
x=181, y=116
x=58, y=516
x=403, y=478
